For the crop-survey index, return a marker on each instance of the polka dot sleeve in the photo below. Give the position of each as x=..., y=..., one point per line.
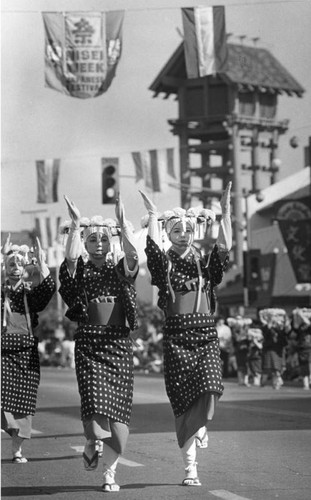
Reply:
x=156, y=262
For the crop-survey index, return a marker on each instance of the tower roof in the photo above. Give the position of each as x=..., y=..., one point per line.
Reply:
x=249, y=68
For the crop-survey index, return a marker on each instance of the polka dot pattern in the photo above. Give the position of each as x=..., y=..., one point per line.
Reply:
x=191, y=346
x=182, y=270
x=20, y=368
x=91, y=282
x=103, y=354
x=191, y=365
x=104, y=368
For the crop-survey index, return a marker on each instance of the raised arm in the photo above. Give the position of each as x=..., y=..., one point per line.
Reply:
x=224, y=240
x=73, y=245
x=40, y=257
x=127, y=236
x=153, y=229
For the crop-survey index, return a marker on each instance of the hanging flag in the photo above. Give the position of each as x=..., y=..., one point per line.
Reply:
x=47, y=175
x=153, y=166
x=46, y=229
x=170, y=162
x=205, y=41
x=146, y=167
x=82, y=51
x=138, y=166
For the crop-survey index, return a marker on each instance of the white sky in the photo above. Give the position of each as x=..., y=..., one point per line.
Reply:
x=39, y=123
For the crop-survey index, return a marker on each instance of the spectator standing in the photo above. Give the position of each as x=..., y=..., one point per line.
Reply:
x=302, y=332
x=276, y=327
x=255, y=354
x=240, y=339
x=225, y=344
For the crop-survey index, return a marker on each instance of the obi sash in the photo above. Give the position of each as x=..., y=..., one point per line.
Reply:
x=106, y=313
x=186, y=303
x=15, y=322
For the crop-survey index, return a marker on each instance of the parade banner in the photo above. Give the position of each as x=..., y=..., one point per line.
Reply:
x=205, y=41
x=82, y=51
x=47, y=177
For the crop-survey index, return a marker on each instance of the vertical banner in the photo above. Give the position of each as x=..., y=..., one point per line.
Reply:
x=154, y=166
x=297, y=238
x=294, y=218
x=82, y=51
x=205, y=41
x=146, y=167
x=47, y=177
x=47, y=230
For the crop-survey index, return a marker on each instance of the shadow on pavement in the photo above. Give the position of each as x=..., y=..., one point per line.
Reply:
x=31, y=491
x=252, y=415
x=45, y=459
x=52, y=490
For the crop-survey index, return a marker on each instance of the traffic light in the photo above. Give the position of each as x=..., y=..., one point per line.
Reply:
x=110, y=180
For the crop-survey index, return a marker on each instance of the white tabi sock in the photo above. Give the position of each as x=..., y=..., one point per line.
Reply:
x=189, y=457
x=110, y=458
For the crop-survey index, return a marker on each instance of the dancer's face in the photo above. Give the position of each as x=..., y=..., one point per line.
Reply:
x=15, y=267
x=97, y=245
x=181, y=237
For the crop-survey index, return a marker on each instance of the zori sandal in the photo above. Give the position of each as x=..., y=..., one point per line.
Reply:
x=110, y=487
x=90, y=464
x=19, y=460
x=202, y=440
x=191, y=478
x=191, y=481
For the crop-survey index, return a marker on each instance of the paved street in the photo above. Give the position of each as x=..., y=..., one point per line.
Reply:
x=259, y=447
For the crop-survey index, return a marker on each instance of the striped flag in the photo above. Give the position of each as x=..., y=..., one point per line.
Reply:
x=47, y=175
x=47, y=230
x=153, y=166
x=205, y=42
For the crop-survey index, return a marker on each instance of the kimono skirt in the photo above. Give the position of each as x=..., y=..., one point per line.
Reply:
x=192, y=370
x=20, y=376
x=104, y=368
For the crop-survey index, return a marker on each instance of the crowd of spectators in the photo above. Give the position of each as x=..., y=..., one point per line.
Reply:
x=271, y=349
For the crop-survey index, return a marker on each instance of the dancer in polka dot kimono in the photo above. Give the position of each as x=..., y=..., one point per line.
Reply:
x=101, y=297
x=20, y=370
x=186, y=282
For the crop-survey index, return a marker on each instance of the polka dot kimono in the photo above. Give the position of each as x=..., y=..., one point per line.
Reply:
x=20, y=369
x=191, y=346
x=103, y=353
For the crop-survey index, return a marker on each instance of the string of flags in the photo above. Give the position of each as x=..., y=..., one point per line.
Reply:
x=155, y=167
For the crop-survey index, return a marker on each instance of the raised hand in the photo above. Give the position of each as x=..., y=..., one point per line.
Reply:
x=150, y=206
x=120, y=212
x=39, y=253
x=7, y=245
x=73, y=211
x=225, y=199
